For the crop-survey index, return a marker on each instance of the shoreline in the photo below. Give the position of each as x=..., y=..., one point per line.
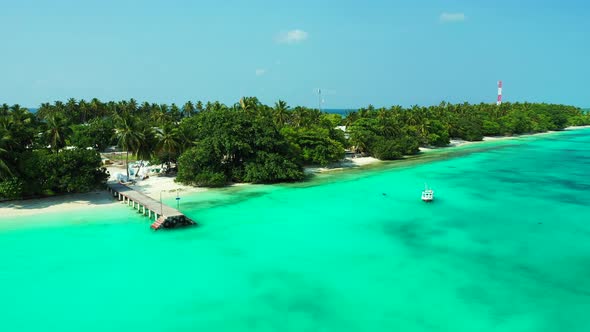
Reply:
x=156, y=185
x=56, y=204
x=348, y=163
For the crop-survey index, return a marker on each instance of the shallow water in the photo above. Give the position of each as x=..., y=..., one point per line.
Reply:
x=505, y=247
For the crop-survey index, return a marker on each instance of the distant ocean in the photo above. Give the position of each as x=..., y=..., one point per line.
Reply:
x=341, y=111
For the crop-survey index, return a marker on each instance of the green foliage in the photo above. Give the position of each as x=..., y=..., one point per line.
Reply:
x=332, y=120
x=208, y=178
x=215, y=144
x=11, y=188
x=363, y=134
x=437, y=134
x=242, y=143
x=76, y=170
x=69, y=171
x=98, y=133
x=36, y=168
x=200, y=166
x=378, y=131
x=579, y=120
x=491, y=128
x=81, y=136
x=57, y=132
x=270, y=167
x=387, y=149
x=315, y=145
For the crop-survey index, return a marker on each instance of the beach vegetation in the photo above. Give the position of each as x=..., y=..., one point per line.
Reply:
x=55, y=150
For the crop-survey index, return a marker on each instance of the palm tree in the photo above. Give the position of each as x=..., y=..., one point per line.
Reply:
x=175, y=113
x=281, y=113
x=4, y=138
x=186, y=138
x=45, y=110
x=299, y=116
x=145, y=108
x=148, y=142
x=57, y=132
x=20, y=115
x=160, y=115
x=83, y=108
x=168, y=141
x=132, y=106
x=249, y=103
x=95, y=108
x=4, y=110
x=129, y=138
x=199, y=106
x=350, y=118
x=4, y=169
x=59, y=108
x=188, y=109
x=71, y=110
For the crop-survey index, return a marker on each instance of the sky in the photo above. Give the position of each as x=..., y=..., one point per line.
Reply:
x=396, y=52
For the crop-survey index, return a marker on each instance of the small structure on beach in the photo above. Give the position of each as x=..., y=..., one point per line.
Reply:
x=164, y=216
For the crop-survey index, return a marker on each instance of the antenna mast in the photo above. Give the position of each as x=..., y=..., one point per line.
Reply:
x=499, y=102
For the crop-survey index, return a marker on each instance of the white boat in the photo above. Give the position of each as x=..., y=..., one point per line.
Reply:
x=427, y=194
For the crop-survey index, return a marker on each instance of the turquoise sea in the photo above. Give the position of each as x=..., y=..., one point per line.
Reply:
x=505, y=247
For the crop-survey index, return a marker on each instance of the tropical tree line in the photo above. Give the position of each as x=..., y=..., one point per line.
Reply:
x=389, y=133
x=32, y=161
x=57, y=148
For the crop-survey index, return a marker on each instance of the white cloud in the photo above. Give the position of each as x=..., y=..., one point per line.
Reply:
x=452, y=17
x=260, y=71
x=292, y=37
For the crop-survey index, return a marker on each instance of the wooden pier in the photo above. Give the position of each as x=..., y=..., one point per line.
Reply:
x=163, y=215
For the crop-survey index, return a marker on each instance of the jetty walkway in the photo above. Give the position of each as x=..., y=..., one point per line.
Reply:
x=164, y=216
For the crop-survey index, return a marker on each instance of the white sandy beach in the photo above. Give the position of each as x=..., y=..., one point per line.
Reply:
x=53, y=204
x=157, y=184
x=344, y=164
x=459, y=142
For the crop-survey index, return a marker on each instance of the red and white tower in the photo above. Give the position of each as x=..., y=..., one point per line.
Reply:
x=499, y=93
